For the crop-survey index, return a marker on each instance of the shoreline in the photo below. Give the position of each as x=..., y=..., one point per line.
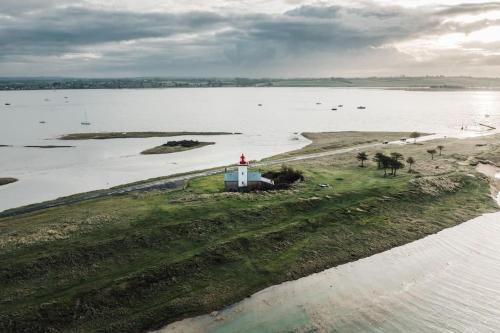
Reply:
x=178, y=179
x=284, y=234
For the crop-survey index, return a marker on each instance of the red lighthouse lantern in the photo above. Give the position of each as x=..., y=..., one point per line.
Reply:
x=242, y=160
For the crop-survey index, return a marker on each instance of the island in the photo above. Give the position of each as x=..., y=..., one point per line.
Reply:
x=135, y=261
x=7, y=180
x=134, y=135
x=176, y=146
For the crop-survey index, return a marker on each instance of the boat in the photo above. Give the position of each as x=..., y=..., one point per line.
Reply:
x=86, y=122
x=334, y=109
x=260, y=104
x=361, y=107
x=7, y=103
x=318, y=103
x=42, y=122
x=340, y=105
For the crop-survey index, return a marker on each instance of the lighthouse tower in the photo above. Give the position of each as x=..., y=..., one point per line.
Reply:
x=242, y=173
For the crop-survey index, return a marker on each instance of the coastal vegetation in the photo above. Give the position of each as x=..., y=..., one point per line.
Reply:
x=7, y=180
x=176, y=146
x=137, y=261
x=362, y=157
x=432, y=152
x=285, y=177
x=440, y=148
x=410, y=160
x=134, y=135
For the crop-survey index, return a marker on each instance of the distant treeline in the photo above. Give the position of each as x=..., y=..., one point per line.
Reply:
x=424, y=82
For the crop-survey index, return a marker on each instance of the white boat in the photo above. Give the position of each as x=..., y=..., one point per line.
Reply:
x=86, y=122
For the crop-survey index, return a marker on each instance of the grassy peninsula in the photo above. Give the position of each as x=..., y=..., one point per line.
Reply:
x=327, y=141
x=133, y=135
x=138, y=261
x=7, y=180
x=176, y=146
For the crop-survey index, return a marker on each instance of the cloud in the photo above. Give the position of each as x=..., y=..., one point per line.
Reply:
x=80, y=38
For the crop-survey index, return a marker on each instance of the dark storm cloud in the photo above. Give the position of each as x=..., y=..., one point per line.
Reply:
x=14, y=7
x=63, y=29
x=35, y=29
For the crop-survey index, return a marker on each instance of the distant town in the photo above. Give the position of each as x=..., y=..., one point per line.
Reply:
x=400, y=82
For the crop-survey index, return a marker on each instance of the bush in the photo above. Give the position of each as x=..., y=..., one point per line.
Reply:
x=182, y=143
x=285, y=177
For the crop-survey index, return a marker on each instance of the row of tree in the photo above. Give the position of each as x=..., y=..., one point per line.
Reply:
x=393, y=162
x=434, y=151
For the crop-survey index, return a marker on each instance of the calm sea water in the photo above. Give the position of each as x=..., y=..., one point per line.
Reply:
x=268, y=129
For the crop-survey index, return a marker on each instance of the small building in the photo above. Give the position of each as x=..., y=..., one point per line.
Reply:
x=244, y=180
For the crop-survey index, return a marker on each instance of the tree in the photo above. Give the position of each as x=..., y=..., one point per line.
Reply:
x=410, y=160
x=414, y=136
x=385, y=162
x=395, y=165
x=397, y=156
x=432, y=152
x=440, y=148
x=378, y=158
x=362, y=157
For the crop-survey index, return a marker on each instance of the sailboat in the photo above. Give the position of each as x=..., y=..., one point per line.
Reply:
x=86, y=121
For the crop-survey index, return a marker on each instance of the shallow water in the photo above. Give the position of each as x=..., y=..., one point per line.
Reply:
x=447, y=282
x=49, y=173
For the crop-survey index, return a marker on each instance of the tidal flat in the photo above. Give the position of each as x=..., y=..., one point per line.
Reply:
x=133, y=135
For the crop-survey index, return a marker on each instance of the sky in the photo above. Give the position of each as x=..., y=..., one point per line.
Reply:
x=249, y=38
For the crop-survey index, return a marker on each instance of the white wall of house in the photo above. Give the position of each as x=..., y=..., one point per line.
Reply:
x=242, y=176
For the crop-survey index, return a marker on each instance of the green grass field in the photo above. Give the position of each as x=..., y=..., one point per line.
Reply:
x=135, y=262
